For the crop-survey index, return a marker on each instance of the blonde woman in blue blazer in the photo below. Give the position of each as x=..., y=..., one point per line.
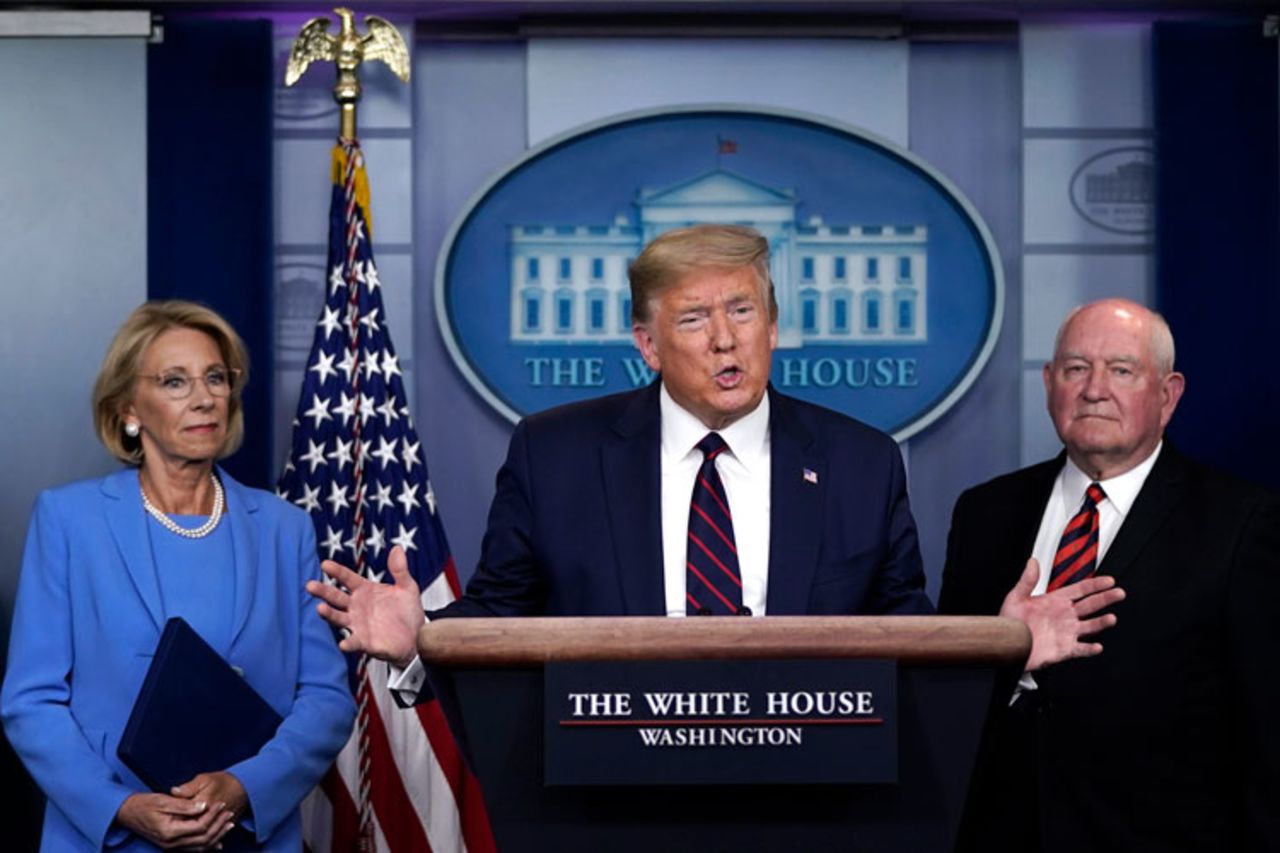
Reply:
x=109, y=561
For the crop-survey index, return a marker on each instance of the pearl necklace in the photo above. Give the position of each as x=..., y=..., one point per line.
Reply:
x=188, y=532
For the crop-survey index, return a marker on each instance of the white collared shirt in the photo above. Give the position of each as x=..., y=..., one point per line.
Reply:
x=744, y=467
x=1064, y=503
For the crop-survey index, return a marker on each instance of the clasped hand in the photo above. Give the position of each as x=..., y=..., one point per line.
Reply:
x=194, y=815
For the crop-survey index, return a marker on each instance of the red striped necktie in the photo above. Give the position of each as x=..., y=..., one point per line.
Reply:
x=1077, y=556
x=713, y=582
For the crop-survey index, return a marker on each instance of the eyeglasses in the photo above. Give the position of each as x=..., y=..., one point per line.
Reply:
x=177, y=385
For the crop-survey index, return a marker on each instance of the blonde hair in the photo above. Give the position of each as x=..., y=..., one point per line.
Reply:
x=114, y=386
x=672, y=255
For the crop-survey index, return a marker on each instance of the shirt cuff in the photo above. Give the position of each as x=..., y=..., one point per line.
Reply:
x=1026, y=684
x=406, y=683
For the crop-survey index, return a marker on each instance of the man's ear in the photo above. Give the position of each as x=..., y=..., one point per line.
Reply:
x=647, y=346
x=1171, y=388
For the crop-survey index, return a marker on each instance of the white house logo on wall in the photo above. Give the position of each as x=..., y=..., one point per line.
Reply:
x=888, y=283
x=1115, y=190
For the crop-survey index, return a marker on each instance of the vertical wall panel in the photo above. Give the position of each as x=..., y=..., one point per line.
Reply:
x=1218, y=269
x=965, y=120
x=74, y=253
x=209, y=181
x=73, y=246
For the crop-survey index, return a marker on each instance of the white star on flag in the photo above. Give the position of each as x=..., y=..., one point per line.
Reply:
x=314, y=455
x=319, y=411
x=329, y=323
x=324, y=366
x=405, y=538
x=408, y=498
x=309, y=499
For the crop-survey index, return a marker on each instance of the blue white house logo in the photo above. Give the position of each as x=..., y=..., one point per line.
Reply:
x=532, y=288
x=1115, y=190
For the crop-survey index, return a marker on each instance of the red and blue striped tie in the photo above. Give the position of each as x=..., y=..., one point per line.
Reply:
x=713, y=582
x=1077, y=556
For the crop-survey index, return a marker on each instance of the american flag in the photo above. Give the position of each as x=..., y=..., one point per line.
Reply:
x=358, y=468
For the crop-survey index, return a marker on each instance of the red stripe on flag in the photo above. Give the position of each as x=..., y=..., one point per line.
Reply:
x=396, y=814
x=466, y=788
x=346, y=819
x=451, y=575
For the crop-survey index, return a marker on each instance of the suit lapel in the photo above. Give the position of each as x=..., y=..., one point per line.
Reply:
x=795, y=512
x=242, y=504
x=128, y=523
x=1024, y=516
x=632, y=469
x=1156, y=498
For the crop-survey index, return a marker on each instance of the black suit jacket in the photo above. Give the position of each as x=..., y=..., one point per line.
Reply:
x=1168, y=739
x=576, y=522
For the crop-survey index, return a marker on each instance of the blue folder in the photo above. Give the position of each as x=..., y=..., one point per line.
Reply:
x=194, y=713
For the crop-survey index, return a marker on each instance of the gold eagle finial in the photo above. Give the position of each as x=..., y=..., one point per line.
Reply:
x=347, y=49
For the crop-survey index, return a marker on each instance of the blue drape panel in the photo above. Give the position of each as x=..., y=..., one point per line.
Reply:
x=209, y=217
x=1218, y=237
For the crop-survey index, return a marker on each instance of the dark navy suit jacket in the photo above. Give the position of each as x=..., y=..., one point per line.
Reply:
x=576, y=523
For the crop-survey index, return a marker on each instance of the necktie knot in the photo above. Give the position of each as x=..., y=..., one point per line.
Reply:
x=711, y=446
x=1094, y=495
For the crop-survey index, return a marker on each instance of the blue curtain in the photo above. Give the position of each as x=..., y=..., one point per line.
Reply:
x=209, y=217
x=1217, y=121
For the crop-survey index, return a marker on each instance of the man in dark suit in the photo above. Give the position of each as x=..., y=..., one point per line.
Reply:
x=1166, y=740
x=593, y=515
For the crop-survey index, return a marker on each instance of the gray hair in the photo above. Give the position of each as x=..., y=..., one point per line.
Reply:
x=1161, y=337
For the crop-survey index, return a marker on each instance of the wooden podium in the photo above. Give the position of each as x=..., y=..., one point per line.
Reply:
x=488, y=675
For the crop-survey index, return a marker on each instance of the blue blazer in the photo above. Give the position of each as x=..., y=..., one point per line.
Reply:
x=576, y=522
x=87, y=620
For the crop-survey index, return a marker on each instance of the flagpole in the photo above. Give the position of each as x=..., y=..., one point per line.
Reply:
x=347, y=50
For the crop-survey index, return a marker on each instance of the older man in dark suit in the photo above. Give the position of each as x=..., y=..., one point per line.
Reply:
x=1166, y=740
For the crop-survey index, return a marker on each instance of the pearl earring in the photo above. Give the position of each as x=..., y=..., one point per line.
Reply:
x=132, y=429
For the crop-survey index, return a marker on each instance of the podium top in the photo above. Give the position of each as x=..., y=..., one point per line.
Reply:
x=533, y=641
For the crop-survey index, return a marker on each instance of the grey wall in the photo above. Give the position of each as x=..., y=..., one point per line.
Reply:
x=475, y=125
x=73, y=223
x=965, y=120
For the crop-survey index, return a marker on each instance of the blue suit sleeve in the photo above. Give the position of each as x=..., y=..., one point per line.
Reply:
x=65, y=760
x=899, y=585
x=509, y=580
x=316, y=726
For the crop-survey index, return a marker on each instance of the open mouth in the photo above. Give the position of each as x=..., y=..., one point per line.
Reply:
x=730, y=377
